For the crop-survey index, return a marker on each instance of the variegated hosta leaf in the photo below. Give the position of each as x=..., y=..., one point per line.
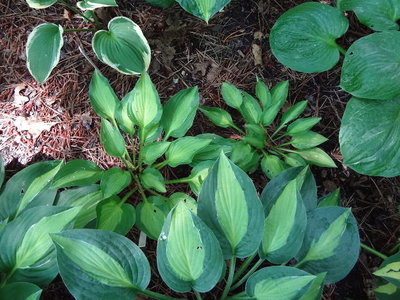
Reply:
x=204, y=9
x=390, y=270
x=229, y=205
x=188, y=253
x=43, y=50
x=20, y=291
x=123, y=47
x=97, y=264
x=387, y=291
x=93, y=4
x=39, y=4
x=26, y=244
x=182, y=150
x=331, y=243
x=284, y=283
x=284, y=225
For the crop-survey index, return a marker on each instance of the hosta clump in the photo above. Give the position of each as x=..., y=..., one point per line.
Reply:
x=276, y=145
x=304, y=39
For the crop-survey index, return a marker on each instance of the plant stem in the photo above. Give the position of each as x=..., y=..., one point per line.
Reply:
x=229, y=281
x=127, y=195
x=140, y=187
x=395, y=248
x=75, y=10
x=78, y=29
x=155, y=295
x=340, y=48
x=180, y=180
x=197, y=294
x=160, y=165
x=237, y=128
x=243, y=267
x=248, y=274
x=373, y=251
x=8, y=276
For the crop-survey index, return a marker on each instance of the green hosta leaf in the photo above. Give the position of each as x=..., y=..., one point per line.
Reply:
x=97, y=264
x=20, y=291
x=390, y=270
x=316, y=156
x=304, y=37
x=151, y=152
x=387, y=291
x=212, y=151
x=93, y=4
x=2, y=171
x=272, y=166
x=190, y=202
x=331, y=243
x=151, y=216
x=39, y=4
x=245, y=157
x=302, y=125
x=70, y=197
x=294, y=160
x=112, y=139
x=279, y=93
x=188, y=254
x=307, y=140
x=114, y=181
x=153, y=179
x=38, y=185
x=255, y=136
x=281, y=283
x=229, y=205
x=161, y=3
x=332, y=199
x=263, y=94
x=114, y=215
x=43, y=49
x=293, y=112
x=369, y=143
x=204, y=9
x=124, y=120
x=198, y=174
x=250, y=109
x=371, y=67
x=102, y=96
x=284, y=225
x=182, y=150
x=123, y=47
x=231, y=95
x=78, y=172
x=379, y=15
x=218, y=116
x=179, y=112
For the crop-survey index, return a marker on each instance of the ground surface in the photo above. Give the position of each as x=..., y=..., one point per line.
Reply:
x=55, y=121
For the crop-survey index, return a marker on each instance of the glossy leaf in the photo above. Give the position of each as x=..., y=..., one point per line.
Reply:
x=182, y=150
x=123, y=47
x=307, y=140
x=204, y=9
x=43, y=49
x=40, y=4
x=151, y=152
x=369, y=142
x=316, y=156
x=114, y=181
x=100, y=264
x=231, y=95
x=20, y=291
x=112, y=139
x=303, y=38
x=151, y=216
x=188, y=253
x=153, y=179
x=371, y=67
x=302, y=125
x=179, y=112
x=218, y=116
x=229, y=205
x=331, y=243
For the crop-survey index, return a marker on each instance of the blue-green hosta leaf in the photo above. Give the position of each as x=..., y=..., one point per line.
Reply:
x=39, y=4
x=303, y=38
x=123, y=47
x=78, y=172
x=20, y=291
x=182, y=150
x=112, y=139
x=15, y=188
x=97, y=264
x=145, y=107
x=151, y=152
x=284, y=225
x=179, y=112
x=93, y=4
x=387, y=291
x=332, y=199
x=188, y=253
x=369, y=143
x=161, y=3
x=2, y=171
x=331, y=243
x=151, y=216
x=114, y=215
x=390, y=270
x=70, y=197
x=283, y=283
x=114, y=181
x=27, y=244
x=229, y=205
x=204, y=9
x=102, y=96
x=43, y=50
x=379, y=15
x=371, y=68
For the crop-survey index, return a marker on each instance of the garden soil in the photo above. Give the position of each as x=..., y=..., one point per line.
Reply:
x=54, y=120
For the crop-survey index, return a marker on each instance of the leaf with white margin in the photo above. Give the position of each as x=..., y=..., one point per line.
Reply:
x=40, y=4
x=204, y=9
x=123, y=47
x=93, y=4
x=43, y=50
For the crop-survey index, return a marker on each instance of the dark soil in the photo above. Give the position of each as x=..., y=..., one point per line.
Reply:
x=186, y=52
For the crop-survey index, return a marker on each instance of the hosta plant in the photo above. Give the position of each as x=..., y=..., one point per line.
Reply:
x=304, y=39
x=310, y=245
x=202, y=9
x=122, y=47
x=389, y=273
x=276, y=141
